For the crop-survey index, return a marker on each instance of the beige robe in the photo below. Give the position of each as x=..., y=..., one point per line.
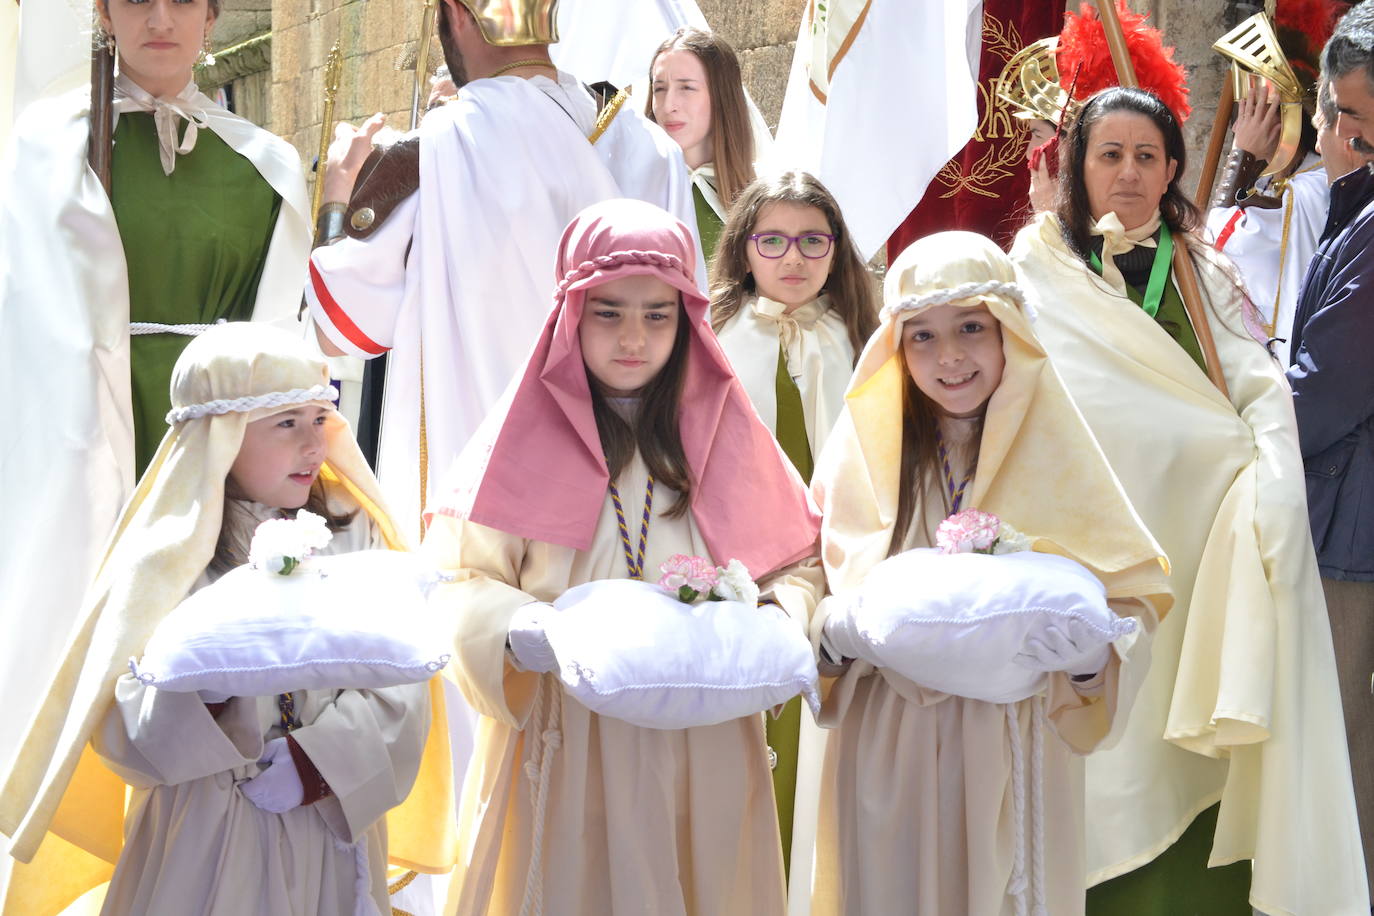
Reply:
x=638, y=820
x=1241, y=703
x=194, y=844
x=918, y=793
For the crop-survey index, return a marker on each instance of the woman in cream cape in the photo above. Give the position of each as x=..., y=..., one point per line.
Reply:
x=1241, y=703
x=923, y=808
x=636, y=820
x=65, y=812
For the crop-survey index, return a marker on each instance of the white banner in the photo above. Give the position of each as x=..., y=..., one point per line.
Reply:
x=881, y=94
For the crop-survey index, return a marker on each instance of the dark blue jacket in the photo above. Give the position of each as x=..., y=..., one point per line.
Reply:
x=1333, y=382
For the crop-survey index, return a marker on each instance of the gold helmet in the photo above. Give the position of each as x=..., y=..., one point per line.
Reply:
x=515, y=22
x=1029, y=83
x=1253, y=48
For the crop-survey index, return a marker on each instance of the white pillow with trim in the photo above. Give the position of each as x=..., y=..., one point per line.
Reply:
x=956, y=622
x=628, y=650
x=352, y=620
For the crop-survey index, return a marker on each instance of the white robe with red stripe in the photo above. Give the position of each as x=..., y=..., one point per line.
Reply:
x=1254, y=239
x=459, y=279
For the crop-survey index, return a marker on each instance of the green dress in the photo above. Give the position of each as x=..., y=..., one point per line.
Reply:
x=784, y=731
x=709, y=225
x=194, y=241
x=1178, y=881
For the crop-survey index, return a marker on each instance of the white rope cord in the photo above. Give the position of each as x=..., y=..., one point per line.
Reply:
x=1037, y=777
x=544, y=740
x=1009, y=291
x=1017, y=886
x=363, y=904
x=186, y=330
x=253, y=402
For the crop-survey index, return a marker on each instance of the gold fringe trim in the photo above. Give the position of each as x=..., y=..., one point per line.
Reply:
x=603, y=120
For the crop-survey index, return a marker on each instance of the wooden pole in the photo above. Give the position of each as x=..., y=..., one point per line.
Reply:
x=1220, y=124
x=98, y=151
x=1183, y=263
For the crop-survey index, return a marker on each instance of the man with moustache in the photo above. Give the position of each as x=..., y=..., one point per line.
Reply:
x=1333, y=393
x=446, y=265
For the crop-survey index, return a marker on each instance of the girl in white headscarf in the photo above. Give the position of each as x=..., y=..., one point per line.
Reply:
x=252, y=805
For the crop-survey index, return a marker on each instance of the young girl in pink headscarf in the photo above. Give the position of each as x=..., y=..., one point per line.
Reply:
x=626, y=441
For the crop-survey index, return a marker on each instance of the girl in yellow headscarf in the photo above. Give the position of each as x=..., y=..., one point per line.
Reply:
x=270, y=805
x=933, y=803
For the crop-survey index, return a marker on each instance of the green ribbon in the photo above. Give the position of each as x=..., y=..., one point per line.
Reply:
x=1159, y=271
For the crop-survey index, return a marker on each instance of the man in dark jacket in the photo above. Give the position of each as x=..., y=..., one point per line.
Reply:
x=1333, y=392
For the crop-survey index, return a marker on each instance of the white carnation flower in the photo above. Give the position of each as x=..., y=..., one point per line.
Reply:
x=281, y=544
x=735, y=584
x=1009, y=540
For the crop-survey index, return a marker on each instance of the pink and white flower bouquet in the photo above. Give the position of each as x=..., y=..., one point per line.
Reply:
x=976, y=531
x=691, y=579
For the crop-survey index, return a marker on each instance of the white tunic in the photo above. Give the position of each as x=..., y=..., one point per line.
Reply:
x=1272, y=248
x=460, y=277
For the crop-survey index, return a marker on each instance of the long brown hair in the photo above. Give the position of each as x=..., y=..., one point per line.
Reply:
x=236, y=526
x=653, y=429
x=732, y=138
x=851, y=287
x=921, y=471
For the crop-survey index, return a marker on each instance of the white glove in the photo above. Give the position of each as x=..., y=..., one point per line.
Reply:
x=527, y=640
x=840, y=639
x=278, y=788
x=1072, y=647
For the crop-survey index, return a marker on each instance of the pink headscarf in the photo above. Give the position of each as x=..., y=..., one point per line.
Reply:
x=538, y=471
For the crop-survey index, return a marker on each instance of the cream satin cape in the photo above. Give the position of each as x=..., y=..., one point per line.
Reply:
x=1039, y=469
x=67, y=466
x=819, y=358
x=57, y=793
x=1241, y=703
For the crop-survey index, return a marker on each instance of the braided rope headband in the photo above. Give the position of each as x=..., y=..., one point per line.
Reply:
x=618, y=259
x=1009, y=291
x=253, y=402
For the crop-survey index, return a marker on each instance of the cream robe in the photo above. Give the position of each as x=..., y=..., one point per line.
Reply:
x=638, y=820
x=820, y=360
x=194, y=843
x=917, y=792
x=1242, y=690
x=64, y=365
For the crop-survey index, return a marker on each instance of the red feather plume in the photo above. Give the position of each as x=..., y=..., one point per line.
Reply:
x=1315, y=19
x=1083, y=52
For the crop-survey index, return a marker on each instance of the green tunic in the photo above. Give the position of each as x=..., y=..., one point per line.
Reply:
x=194, y=241
x=784, y=731
x=709, y=225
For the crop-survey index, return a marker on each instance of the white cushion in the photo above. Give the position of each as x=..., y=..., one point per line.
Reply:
x=353, y=620
x=956, y=622
x=628, y=650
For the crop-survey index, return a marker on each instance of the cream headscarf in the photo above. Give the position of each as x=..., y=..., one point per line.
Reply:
x=1039, y=467
x=225, y=379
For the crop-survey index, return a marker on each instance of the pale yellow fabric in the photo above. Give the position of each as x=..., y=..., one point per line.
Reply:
x=194, y=842
x=1241, y=702
x=164, y=540
x=638, y=820
x=819, y=356
x=918, y=771
x=704, y=180
x=1117, y=239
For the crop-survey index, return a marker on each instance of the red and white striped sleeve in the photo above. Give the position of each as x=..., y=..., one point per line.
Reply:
x=356, y=287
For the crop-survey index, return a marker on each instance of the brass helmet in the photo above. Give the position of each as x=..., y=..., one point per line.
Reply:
x=515, y=22
x=1253, y=48
x=1029, y=84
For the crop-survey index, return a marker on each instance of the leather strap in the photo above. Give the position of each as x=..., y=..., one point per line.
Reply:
x=1236, y=187
x=388, y=176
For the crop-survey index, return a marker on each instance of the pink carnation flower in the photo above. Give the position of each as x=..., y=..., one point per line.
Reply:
x=970, y=531
x=682, y=571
